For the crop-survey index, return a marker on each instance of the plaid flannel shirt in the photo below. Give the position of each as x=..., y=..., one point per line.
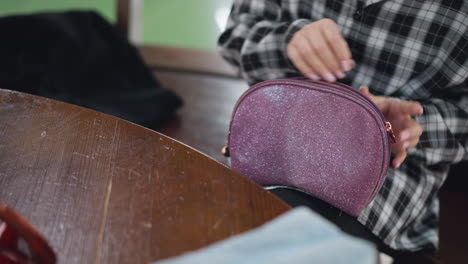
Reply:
x=408, y=49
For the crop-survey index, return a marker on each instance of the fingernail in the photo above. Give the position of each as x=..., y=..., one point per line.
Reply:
x=340, y=75
x=347, y=65
x=421, y=111
x=397, y=165
x=313, y=76
x=404, y=136
x=329, y=77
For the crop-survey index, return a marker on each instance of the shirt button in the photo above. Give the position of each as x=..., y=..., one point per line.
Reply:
x=357, y=15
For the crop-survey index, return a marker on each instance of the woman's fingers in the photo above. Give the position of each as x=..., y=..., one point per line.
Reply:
x=314, y=61
x=306, y=60
x=378, y=100
x=410, y=108
x=366, y=92
x=399, y=113
x=338, y=44
x=399, y=158
x=325, y=55
x=409, y=136
x=400, y=151
x=318, y=50
x=301, y=64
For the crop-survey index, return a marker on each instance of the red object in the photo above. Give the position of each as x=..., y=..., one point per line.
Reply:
x=8, y=241
x=13, y=228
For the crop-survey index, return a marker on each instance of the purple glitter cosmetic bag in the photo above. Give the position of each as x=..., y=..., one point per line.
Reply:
x=325, y=139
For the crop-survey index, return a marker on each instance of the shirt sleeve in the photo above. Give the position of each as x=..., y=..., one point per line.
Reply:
x=256, y=38
x=445, y=119
x=445, y=127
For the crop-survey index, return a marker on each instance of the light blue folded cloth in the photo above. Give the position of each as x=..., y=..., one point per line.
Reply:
x=297, y=237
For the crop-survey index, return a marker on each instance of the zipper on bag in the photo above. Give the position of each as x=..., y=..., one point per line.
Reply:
x=387, y=125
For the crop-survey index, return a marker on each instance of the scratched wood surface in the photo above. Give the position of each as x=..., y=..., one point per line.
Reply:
x=103, y=190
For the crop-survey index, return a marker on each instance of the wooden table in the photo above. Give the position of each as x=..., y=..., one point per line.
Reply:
x=103, y=190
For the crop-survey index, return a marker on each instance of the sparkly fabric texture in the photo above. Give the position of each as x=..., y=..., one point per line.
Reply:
x=322, y=142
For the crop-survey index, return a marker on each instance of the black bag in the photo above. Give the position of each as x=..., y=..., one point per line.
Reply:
x=78, y=57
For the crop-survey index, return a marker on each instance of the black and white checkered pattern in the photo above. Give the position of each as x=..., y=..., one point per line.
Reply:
x=409, y=49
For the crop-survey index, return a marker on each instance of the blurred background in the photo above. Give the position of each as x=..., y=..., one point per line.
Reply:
x=176, y=39
x=180, y=23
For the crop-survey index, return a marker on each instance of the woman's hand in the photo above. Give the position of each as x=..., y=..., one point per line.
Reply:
x=399, y=113
x=319, y=51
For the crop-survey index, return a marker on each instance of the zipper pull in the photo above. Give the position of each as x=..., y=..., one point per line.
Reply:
x=225, y=151
x=388, y=127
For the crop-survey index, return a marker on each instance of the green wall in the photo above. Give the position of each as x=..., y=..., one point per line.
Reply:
x=184, y=23
x=105, y=7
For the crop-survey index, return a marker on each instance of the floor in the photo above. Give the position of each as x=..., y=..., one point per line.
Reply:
x=203, y=121
x=182, y=23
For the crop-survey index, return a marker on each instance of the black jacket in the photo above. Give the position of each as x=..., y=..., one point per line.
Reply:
x=78, y=57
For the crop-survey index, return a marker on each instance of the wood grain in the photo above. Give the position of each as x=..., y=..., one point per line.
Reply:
x=103, y=190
